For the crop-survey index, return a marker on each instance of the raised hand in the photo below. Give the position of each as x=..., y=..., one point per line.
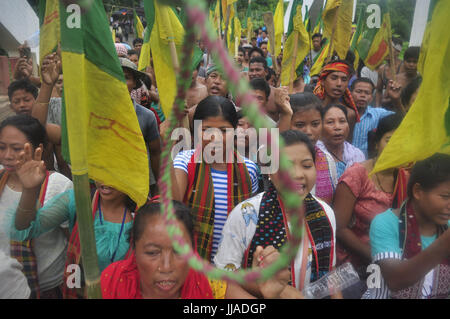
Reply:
x=50, y=69
x=23, y=69
x=273, y=287
x=282, y=100
x=30, y=168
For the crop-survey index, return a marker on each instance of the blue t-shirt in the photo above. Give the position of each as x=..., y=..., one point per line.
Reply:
x=385, y=237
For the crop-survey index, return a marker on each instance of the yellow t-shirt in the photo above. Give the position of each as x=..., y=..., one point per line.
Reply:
x=218, y=287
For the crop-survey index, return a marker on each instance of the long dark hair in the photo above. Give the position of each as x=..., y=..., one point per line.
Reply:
x=430, y=172
x=292, y=137
x=182, y=214
x=33, y=130
x=212, y=106
x=386, y=124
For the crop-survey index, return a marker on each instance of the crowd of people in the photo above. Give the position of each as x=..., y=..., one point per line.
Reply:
x=334, y=126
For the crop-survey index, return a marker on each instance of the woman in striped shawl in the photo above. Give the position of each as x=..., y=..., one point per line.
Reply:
x=213, y=177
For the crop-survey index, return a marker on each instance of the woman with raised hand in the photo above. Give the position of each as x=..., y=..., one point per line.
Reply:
x=213, y=177
x=43, y=257
x=411, y=244
x=112, y=211
x=156, y=271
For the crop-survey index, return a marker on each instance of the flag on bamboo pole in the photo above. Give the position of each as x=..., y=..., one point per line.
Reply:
x=105, y=142
x=425, y=129
x=248, y=24
x=374, y=42
x=164, y=27
x=144, y=57
x=278, y=22
x=49, y=28
x=233, y=27
x=297, y=30
x=138, y=27
x=214, y=15
x=339, y=27
x=319, y=59
x=225, y=4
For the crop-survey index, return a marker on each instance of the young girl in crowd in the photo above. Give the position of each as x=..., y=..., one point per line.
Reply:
x=213, y=178
x=333, y=139
x=307, y=118
x=112, y=212
x=262, y=220
x=359, y=198
x=43, y=258
x=412, y=244
x=155, y=271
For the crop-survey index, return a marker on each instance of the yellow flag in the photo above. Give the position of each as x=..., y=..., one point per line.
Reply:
x=278, y=22
x=105, y=142
x=340, y=24
x=317, y=66
x=50, y=30
x=138, y=27
x=425, y=129
x=296, y=31
x=167, y=28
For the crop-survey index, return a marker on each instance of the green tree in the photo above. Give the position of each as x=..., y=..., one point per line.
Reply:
x=402, y=14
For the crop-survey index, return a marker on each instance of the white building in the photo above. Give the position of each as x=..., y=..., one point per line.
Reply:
x=18, y=22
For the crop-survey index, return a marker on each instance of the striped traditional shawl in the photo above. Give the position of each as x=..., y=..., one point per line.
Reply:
x=200, y=197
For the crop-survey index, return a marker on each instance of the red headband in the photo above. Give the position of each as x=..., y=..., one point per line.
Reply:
x=334, y=67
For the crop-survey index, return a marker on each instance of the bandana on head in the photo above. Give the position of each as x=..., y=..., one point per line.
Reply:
x=121, y=50
x=319, y=90
x=211, y=68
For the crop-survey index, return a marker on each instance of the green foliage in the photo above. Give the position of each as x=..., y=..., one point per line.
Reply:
x=402, y=14
x=258, y=8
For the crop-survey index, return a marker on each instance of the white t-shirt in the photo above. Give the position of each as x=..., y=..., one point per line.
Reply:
x=220, y=183
x=14, y=284
x=49, y=248
x=238, y=233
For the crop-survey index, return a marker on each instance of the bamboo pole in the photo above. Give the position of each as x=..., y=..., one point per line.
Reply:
x=88, y=245
x=291, y=76
x=249, y=30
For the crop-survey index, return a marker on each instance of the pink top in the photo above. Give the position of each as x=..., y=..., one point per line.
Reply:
x=369, y=202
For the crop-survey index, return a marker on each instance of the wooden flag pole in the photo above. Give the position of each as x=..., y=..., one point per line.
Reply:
x=294, y=61
x=88, y=245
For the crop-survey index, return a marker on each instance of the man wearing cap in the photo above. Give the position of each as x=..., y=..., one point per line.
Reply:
x=147, y=122
x=215, y=85
x=332, y=88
